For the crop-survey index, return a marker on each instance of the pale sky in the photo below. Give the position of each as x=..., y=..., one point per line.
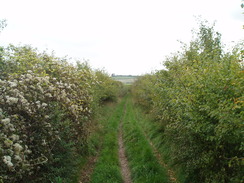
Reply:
x=120, y=36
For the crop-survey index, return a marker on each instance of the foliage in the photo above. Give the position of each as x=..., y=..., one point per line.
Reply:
x=198, y=100
x=109, y=88
x=142, y=90
x=46, y=108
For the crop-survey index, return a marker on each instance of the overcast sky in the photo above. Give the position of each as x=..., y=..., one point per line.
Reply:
x=121, y=36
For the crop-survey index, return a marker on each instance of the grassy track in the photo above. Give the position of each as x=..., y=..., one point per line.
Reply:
x=107, y=169
x=143, y=164
x=95, y=142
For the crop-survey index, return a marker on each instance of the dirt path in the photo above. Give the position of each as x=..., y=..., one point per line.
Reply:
x=121, y=115
x=125, y=171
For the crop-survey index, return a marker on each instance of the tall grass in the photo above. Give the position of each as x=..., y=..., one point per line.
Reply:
x=154, y=132
x=144, y=165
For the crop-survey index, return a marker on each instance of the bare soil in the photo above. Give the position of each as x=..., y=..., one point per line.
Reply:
x=125, y=171
x=123, y=160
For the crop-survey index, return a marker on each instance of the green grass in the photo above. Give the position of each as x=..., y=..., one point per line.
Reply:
x=143, y=164
x=155, y=134
x=107, y=168
x=94, y=144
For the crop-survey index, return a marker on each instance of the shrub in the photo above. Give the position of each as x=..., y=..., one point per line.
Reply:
x=46, y=108
x=107, y=89
x=198, y=100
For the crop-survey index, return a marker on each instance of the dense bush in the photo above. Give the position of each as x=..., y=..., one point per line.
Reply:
x=142, y=90
x=107, y=89
x=46, y=107
x=199, y=102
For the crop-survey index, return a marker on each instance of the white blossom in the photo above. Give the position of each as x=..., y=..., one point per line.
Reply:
x=40, y=88
x=44, y=105
x=48, y=95
x=28, y=151
x=29, y=71
x=7, y=161
x=12, y=84
x=51, y=88
x=15, y=92
x=63, y=94
x=11, y=127
x=24, y=101
x=2, y=82
x=38, y=103
x=6, y=121
x=46, y=79
x=44, y=142
x=8, y=143
x=11, y=100
x=6, y=158
x=10, y=164
x=14, y=137
x=18, y=158
x=17, y=148
x=29, y=76
x=46, y=117
x=68, y=100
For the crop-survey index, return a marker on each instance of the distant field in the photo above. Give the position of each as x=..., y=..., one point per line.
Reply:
x=125, y=79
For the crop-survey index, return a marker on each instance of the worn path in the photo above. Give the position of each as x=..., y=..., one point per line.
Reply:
x=126, y=174
x=127, y=154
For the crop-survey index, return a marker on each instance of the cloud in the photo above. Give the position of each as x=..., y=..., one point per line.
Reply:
x=124, y=37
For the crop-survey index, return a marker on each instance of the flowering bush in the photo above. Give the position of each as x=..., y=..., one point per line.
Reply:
x=45, y=103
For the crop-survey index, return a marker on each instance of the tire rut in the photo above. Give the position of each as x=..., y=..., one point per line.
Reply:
x=125, y=170
x=171, y=173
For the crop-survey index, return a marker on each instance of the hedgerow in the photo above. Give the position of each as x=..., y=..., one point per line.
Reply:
x=46, y=108
x=107, y=89
x=198, y=100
